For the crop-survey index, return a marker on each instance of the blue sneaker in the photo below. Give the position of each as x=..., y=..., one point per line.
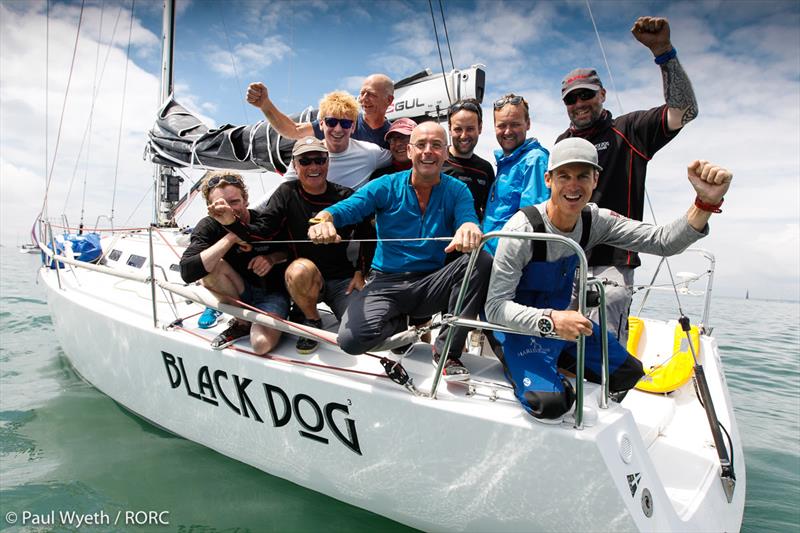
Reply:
x=209, y=318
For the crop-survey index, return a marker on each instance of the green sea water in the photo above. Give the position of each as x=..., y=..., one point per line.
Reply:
x=65, y=447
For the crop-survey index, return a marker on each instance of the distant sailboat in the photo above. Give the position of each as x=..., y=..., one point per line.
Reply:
x=747, y=294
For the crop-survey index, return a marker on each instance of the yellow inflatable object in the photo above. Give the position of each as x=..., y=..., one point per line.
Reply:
x=665, y=373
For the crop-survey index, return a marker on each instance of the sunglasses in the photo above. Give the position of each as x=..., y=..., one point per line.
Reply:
x=469, y=106
x=305, y=161
x=227, y=178
x=512, y=99
x=583, y=95
x=345, y=122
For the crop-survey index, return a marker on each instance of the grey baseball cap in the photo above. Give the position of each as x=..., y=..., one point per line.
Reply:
x=580, y=78
x=573, y=150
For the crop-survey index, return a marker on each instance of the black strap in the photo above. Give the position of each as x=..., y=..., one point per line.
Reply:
x=536, y=220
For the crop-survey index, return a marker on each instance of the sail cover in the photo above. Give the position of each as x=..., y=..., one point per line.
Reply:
x=180, y=139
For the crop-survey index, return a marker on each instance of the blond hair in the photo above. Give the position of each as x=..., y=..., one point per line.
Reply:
x=338, y=104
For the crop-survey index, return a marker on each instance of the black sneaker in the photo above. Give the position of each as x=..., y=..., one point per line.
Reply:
x=236, y=330
x=304, y=344
x=454, y=369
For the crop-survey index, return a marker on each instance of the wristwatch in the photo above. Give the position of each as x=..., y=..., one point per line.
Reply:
x=545, y=325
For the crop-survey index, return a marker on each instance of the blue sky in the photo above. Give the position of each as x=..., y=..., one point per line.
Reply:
x=742, y=57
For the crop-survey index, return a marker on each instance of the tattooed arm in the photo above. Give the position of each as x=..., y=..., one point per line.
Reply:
x=653, y=32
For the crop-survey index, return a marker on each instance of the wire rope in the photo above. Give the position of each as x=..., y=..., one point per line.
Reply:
x=121, y=116
x=438, y=47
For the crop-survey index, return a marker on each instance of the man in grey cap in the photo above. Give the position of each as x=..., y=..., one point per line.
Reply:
x=532, y=281
x=625, y=144
x=315, y=273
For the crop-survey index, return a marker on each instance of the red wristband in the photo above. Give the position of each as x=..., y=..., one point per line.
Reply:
x=711, y=208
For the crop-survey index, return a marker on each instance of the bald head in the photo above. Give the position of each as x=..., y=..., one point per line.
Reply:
x=377, y=94
x=427, y=151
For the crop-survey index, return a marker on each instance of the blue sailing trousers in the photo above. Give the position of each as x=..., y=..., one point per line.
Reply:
x=531, y=363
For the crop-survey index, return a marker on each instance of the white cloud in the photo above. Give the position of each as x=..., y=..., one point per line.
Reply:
x=250, y=57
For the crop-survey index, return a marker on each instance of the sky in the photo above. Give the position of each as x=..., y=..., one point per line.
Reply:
x=743, y=58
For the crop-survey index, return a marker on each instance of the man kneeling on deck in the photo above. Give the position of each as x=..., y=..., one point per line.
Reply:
x=316, y=273
x=409, y=276
x=532, y=281
x=235, y=270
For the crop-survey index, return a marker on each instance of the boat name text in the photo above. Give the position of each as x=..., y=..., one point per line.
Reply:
x=211, y=387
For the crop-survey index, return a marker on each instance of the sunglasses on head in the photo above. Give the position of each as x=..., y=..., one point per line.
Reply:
x=305, y=161
x=469, y=106
x=512, y=99
x=227, y=178
x=583, y=95
x=345, y=122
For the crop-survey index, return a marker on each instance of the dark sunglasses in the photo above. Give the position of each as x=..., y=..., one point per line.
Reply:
x=305, y=161
x=469, y=106
x=512, y=99
x=227, y=178
x=345, y=122
x=583, y=95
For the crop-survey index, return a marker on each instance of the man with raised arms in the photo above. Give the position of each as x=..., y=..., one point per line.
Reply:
x=235, y=270
x=466, y=123
x=625, y=144
x=521, y=164
x=375, y=97
x=532, y=281
x=351, y=161
x=409, y=277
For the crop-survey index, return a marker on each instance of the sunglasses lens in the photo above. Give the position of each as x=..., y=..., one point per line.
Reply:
x=345, y=122
x=574, y=96
x=305, y=161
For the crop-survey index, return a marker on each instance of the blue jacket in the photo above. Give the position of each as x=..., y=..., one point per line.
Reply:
x=395, y=204
x=519, y=182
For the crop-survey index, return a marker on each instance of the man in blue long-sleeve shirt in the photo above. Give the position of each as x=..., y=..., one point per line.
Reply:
x=409, y=277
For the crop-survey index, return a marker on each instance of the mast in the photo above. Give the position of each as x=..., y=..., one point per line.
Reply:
x=167, y=184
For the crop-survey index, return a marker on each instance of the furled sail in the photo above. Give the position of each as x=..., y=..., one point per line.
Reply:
x=180, y=139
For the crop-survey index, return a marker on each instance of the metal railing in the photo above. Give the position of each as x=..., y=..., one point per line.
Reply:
x=581, y=341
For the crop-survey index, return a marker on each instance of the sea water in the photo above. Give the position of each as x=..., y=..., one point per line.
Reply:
x=70, y=456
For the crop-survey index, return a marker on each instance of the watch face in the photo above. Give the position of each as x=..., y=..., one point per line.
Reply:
x=545, y=325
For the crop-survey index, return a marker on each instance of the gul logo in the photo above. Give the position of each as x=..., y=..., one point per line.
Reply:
x=211, y=387
x=402, y=105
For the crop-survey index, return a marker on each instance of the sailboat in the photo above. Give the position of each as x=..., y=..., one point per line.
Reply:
x=393, y=438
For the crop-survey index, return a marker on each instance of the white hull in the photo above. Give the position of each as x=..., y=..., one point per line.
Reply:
x=460, y=462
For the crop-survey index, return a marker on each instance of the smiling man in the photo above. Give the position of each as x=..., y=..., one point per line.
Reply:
x=375, y=97
x=315, y=273
x=532, y=281
x=625, y=144
x=466, y=123
x=521, y=164
x=409, y=277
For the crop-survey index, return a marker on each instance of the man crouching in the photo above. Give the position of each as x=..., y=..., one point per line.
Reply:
x=532, y=281
x=234, y=270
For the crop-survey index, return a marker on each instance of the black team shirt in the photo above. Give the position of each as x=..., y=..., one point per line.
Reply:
x=476, y=173
x=624, y=146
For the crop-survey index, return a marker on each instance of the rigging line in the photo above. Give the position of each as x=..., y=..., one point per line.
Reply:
x=233, y=62
x=121, y=115
x=94, y=97
x=146, y=195
x=46, y=100
x=63, y=107
x=446, y=36
x=91, y=111
x=621, y=110
x=441, y=61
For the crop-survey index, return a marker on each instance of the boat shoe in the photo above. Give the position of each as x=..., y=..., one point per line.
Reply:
x=209, y=318
x=454, y=369
x=236, y=330
x=304, y=344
